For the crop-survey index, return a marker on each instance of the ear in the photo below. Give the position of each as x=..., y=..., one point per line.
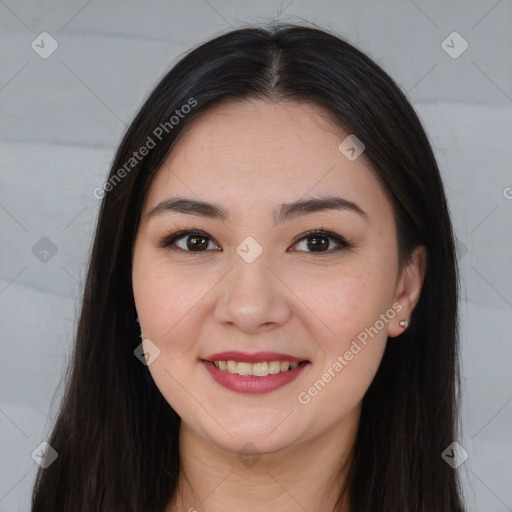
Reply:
x=408, y=290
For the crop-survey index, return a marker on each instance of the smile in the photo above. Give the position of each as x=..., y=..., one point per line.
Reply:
x=254, y=373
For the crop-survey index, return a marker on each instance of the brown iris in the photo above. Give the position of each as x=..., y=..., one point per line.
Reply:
x=318, y=243
x=197, y=242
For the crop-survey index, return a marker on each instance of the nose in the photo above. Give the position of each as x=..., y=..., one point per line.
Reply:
x=252, y=298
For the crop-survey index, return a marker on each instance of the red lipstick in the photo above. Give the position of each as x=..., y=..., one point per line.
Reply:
x=253, y=384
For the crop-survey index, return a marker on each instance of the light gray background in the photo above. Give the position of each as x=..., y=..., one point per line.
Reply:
x=62, y=118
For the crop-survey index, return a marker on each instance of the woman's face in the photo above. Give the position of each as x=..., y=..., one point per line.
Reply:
x=253, y=281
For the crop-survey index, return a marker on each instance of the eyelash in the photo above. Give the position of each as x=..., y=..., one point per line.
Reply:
x=168, y=240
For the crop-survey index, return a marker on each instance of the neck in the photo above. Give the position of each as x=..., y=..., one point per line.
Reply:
x=308, y=476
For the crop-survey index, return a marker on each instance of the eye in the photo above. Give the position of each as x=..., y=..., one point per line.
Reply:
x=318, y=241
x=187, y=240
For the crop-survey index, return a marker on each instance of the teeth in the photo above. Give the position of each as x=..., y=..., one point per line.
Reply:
x=244, y=369
x=255, y=369
x=260, y=369
x=274, y=367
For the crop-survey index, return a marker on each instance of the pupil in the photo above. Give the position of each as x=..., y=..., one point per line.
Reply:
x=201, y=245
x=316, y=246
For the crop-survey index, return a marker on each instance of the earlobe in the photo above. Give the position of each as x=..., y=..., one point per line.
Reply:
x=409, y=288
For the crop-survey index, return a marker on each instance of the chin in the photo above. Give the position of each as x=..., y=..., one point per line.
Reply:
x=254, y=444
x=256, y=438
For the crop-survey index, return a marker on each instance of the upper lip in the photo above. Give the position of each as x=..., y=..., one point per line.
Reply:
x=257, y=357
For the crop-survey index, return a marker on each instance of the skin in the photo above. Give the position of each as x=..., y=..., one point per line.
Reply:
x=249, y=157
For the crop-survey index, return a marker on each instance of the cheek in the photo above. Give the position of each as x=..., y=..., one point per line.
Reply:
x=347, y=302
x=170, y=303
x=167, y=297
x=351, y=306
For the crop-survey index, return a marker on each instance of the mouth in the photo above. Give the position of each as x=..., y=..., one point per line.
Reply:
x=254, y=373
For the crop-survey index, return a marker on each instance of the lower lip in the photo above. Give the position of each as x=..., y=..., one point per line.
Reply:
x=254, y=385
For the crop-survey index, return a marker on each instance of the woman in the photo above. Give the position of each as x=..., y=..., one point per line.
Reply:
x=275, y=223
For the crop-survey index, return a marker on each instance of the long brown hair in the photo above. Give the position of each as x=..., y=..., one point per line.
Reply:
x=115, y=434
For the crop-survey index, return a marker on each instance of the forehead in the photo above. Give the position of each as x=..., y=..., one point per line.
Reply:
x=247, y=154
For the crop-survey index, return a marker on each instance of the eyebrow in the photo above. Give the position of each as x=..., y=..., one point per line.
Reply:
x=285, y=211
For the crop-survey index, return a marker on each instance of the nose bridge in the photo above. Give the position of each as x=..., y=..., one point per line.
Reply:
x=252, y=296
x=252, y=277
x=251, y=262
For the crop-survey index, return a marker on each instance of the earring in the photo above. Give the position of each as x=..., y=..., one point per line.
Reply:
x=403, y=323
